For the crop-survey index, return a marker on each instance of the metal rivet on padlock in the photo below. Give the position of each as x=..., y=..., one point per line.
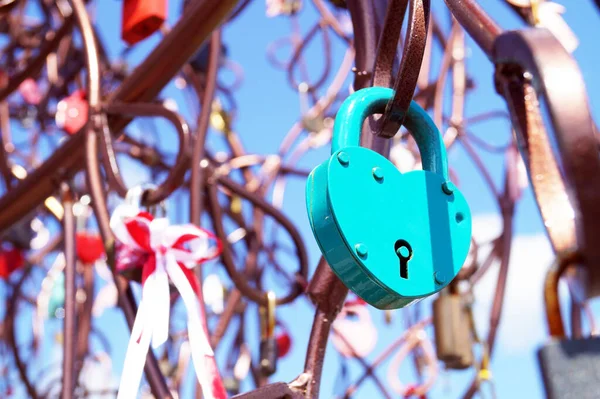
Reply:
x=141, y=18
x=72, y=112
x=392, y=238
x=569, y=367
x=453, y=338
x=268, y=343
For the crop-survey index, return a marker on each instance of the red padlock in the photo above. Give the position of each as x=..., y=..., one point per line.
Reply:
x=355, y=301
x=90, y=247
x=30, y=91
x=284, y=344
x=141, y=18
x=72, y=112
x=10, y=260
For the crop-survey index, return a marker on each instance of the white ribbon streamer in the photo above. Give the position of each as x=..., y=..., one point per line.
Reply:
x=151, y=323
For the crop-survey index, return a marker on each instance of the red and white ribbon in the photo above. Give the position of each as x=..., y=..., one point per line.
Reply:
x=172, y=253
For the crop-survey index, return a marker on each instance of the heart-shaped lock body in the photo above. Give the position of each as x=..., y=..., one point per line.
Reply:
x=392, y=238
x=10, y=260
x=284, y=343
x=90, y=247
x=72, y=112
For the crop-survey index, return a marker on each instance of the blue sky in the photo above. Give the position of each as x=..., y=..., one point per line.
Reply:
x=267, y=108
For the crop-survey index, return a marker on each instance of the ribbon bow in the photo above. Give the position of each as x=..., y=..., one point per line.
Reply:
x=170, y=254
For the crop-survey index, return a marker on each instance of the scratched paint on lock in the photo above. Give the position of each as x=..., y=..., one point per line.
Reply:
x=368, y=217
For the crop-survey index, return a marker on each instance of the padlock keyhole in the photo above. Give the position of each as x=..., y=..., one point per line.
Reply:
x=404, y=252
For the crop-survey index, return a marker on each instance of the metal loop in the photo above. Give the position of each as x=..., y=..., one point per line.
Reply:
x=527, y=62
x=416, y=339
x=410, y=65
x=136, y=197
x=176, y=175
x=552, y=303
x=241, y=282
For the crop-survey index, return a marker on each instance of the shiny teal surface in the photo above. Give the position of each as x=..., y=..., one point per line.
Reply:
x=57, y=295
x=366, y=215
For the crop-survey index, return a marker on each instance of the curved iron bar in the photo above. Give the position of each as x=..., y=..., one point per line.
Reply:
x=157, y=383
x=143, y=84
x=537, y=52
x=197, y=177
x=246, y=289
x=176, y=173
x=367, y=17
x=69, y=321
x=410, y=64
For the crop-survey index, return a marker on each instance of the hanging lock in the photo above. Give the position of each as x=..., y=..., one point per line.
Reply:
x=20, y=234
x=284, y=343
x=89, y=246
x=268, y=343
x=30, y=91
x=200, y=60
x=392, y=238
x=354, y=334
x=569, y=367
x=56, y=299
x=10, y=260
x=141, y=18
x=72, y=112
x=452, y=324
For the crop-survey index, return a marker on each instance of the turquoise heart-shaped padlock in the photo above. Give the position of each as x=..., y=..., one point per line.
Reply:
x=392, y=238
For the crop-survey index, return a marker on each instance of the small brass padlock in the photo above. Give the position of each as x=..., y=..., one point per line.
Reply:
x=392, y=238
x=453, y=337
x=268, y=343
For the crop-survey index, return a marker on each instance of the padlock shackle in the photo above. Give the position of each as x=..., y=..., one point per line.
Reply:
x=362, y=103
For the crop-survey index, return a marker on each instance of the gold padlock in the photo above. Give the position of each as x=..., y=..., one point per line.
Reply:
x=453, y=333
x=268, y=343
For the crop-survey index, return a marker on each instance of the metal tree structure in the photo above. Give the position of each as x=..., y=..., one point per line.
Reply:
x=66, y=115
